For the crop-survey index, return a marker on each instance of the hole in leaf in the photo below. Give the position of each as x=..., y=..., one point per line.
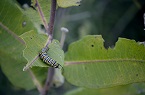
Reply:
x=24, y=23
x=42, y=28
x=92, y=45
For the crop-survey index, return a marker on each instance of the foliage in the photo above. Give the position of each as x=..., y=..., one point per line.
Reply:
x=12, y=60
x=93, y=66
x=87, y=62
x=38, y=40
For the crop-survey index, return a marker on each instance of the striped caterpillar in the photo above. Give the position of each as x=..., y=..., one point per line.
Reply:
x=43, y=55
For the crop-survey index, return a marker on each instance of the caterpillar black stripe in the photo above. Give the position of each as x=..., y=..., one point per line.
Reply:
x=43, y=55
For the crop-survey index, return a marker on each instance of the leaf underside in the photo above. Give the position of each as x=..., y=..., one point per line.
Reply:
x=11, y=46
x=34, y=43
x=89, y=64
x=15, y=21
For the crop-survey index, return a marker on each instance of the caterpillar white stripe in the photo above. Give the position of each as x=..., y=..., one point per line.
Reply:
x=43, y=55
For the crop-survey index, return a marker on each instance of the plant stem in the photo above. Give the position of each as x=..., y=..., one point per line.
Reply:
x=52, y=17
x=50, y=73
x=48, y=81
x=42, y=15
x=36, y=82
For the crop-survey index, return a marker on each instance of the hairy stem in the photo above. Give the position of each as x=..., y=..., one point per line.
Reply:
x=50, y=74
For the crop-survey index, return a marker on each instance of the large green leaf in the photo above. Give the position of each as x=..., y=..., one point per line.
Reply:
x=11, y=46
x=34, y=43
x=12, y=61
x=89, y=64
x=132, y=89
x=14, y=22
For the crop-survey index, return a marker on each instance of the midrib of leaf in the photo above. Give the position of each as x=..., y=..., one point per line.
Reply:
x=35, y=80
x=102, y=61
x=12, y=33
x=31, y=63
x=13, y=68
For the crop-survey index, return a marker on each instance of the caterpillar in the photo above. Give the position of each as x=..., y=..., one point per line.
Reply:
x=43, y=56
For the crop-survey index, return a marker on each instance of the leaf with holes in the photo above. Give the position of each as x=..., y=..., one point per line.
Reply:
x=34, y=43
x=37, y=12
x=89, y=64
x=68, y=3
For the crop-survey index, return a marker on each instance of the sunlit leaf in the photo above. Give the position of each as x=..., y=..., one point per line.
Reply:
x=34, y=43
x=11, y=46
x=13, y=23
x=68, y=3
x=89, y=64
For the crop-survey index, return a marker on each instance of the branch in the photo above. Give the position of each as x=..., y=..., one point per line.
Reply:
x=48, y=81
x=50, y=74
x=51, y=22
x=52, y=17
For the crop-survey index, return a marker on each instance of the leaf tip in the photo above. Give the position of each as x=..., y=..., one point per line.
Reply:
x=25, y=68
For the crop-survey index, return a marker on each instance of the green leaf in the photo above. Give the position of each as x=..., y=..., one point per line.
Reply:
x=68, y=3
x=34, y=43
x=14, y=22
x=132, y=89
x=12, y=18
x=89, y=64
x=12, y=65
x=34, y=13
x=11, y=46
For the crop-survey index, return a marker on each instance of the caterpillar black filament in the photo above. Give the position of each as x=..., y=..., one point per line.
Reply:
x=43, y=55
